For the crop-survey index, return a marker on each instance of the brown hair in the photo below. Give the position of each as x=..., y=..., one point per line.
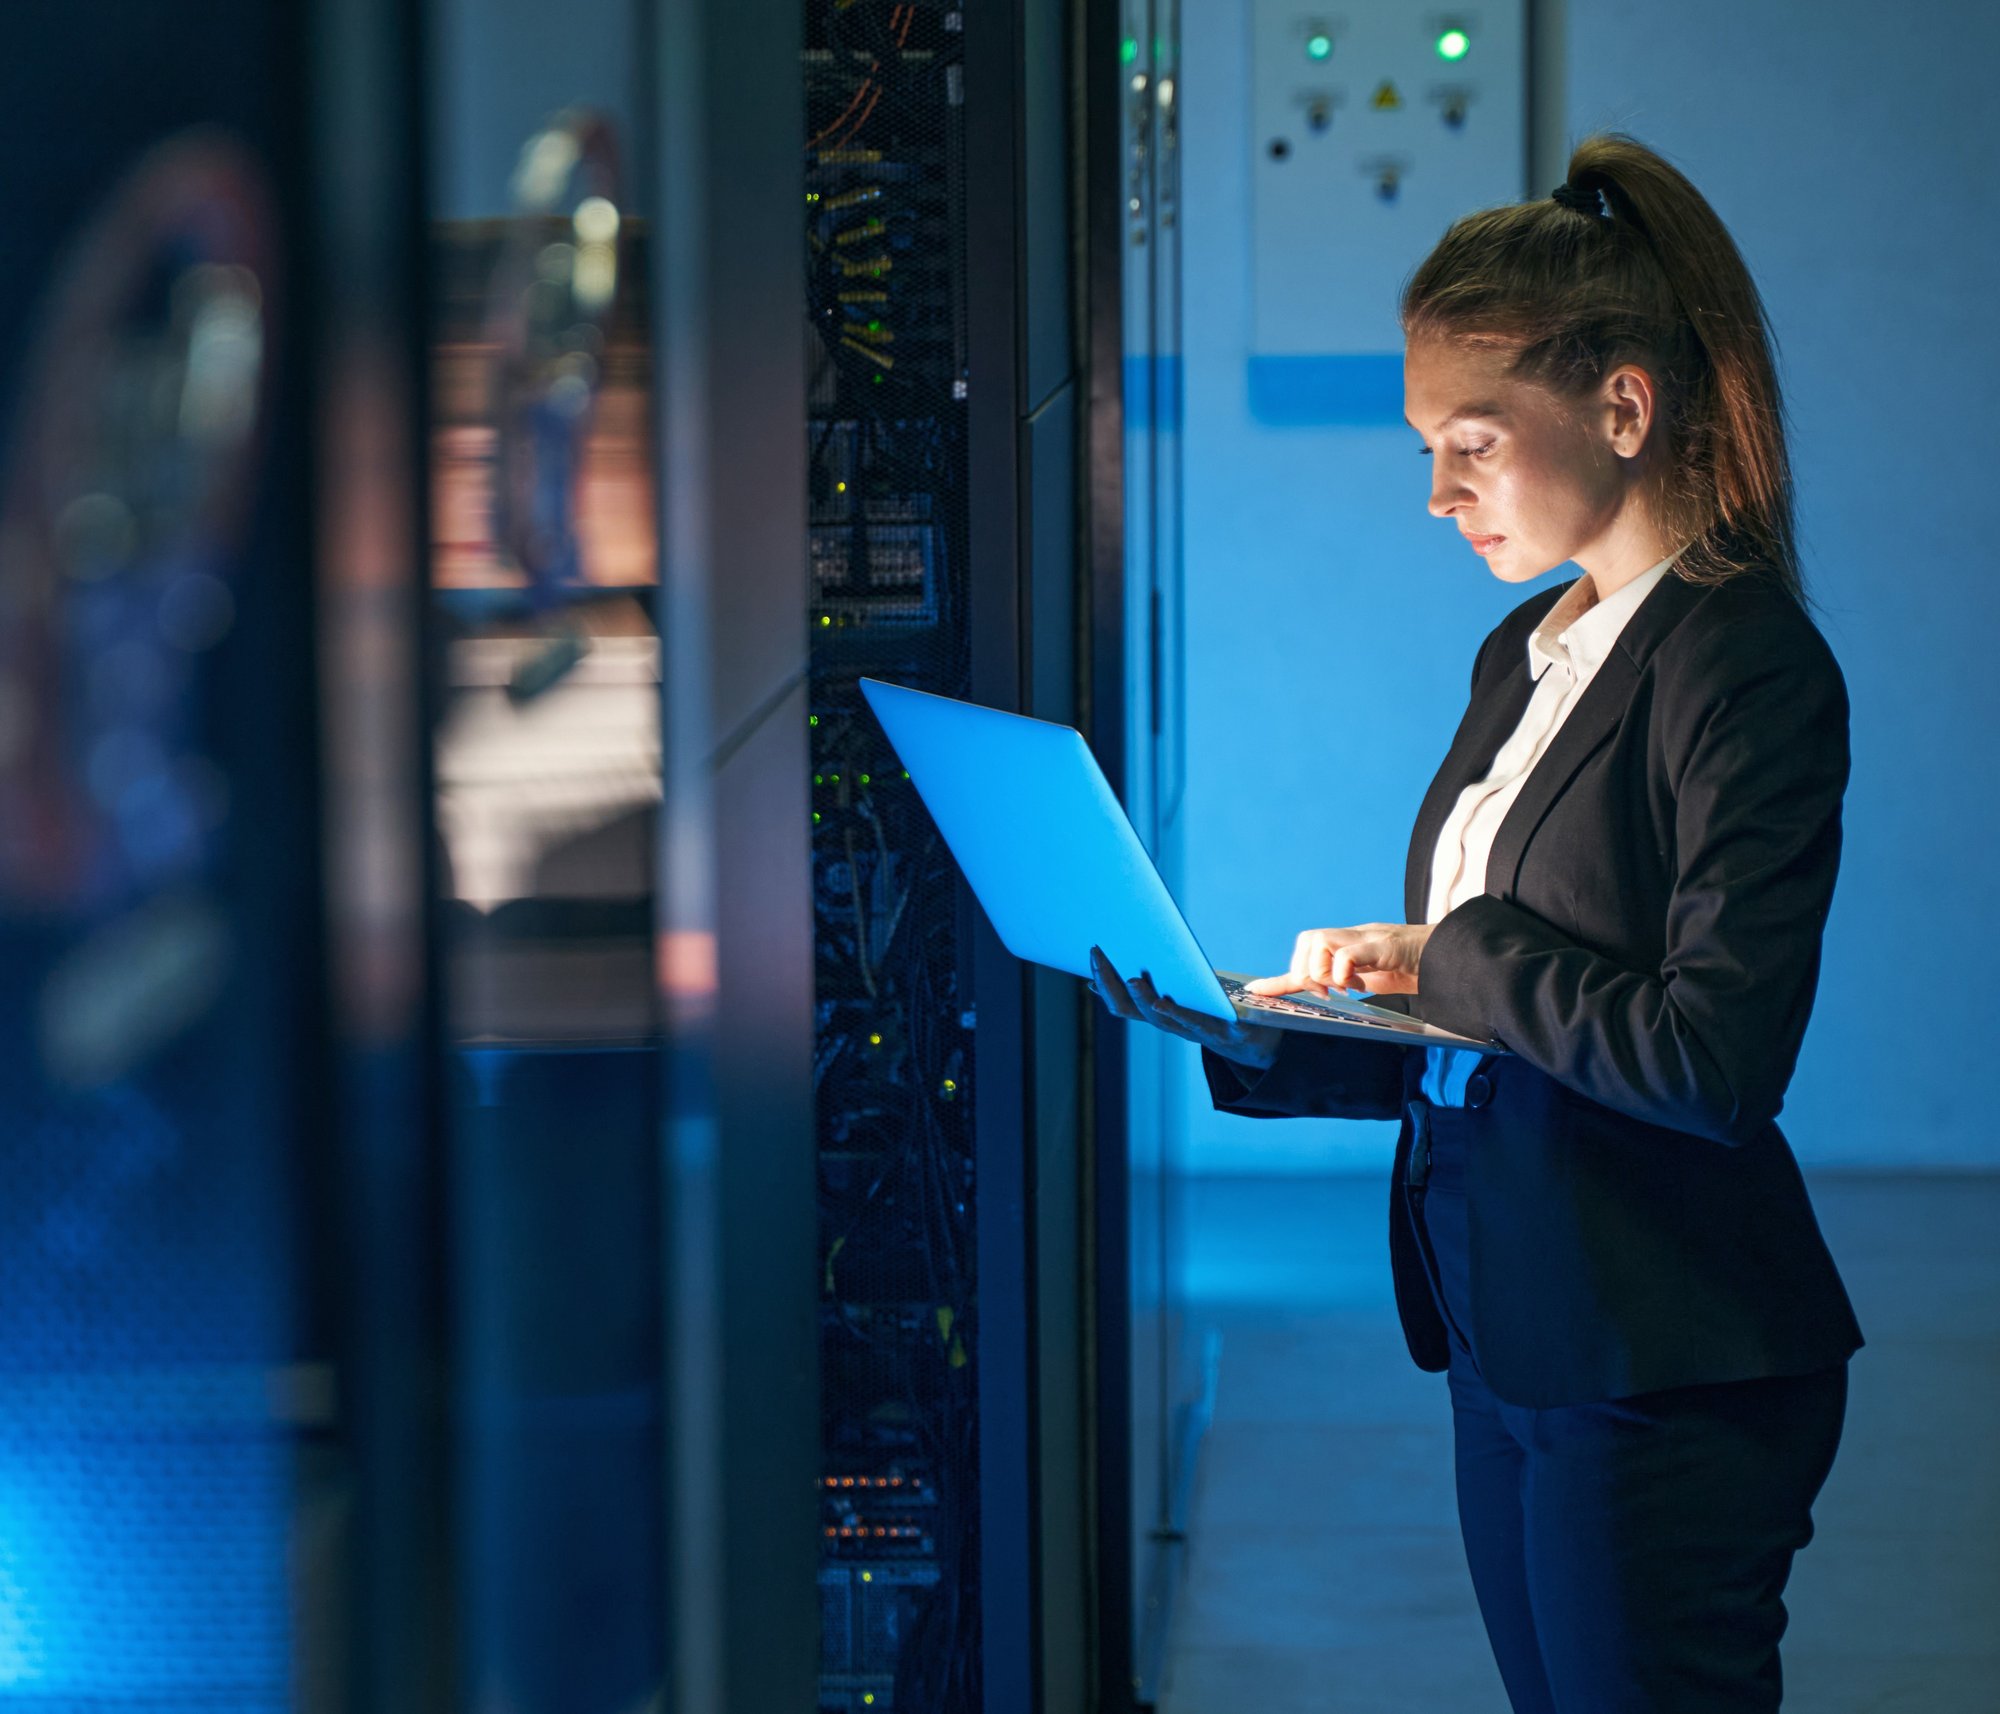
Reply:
x=1654, y=280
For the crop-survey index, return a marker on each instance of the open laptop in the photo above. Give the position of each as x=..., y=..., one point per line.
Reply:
x=1054, y=860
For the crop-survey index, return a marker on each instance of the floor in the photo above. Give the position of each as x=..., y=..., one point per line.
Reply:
x=1326, y=1575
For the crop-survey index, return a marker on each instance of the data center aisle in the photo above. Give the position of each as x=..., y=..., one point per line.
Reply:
x=1326, y=1575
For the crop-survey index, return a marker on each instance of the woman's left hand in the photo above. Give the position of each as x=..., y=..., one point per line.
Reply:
x=1381, y=957
x=1249, y=1044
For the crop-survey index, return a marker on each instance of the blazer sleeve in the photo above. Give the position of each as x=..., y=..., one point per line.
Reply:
x=1314, y=1076
x=1758, y=752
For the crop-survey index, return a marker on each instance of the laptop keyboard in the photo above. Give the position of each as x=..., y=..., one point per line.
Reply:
x=1300, y=1008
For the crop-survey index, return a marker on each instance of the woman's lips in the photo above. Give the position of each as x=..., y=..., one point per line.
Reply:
x=1484, y=544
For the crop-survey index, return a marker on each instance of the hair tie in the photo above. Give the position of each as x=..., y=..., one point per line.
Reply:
x=1590, y=202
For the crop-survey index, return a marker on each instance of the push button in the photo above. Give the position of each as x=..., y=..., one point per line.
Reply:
x=1478, y=1089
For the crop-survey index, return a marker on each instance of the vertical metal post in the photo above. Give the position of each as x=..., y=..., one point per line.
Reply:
x=1096, y=92
x=376, y=1556
x=735, y=935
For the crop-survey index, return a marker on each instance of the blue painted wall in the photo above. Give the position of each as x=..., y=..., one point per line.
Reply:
x=502, y=70
x=1331, y=622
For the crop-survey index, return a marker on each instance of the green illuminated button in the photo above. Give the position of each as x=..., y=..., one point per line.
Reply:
x=1452, y=45
x=1318, y=45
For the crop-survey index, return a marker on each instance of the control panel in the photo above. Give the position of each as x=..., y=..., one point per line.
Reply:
x=1374, y=127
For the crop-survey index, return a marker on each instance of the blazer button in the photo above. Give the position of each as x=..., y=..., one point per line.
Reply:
x=1478, y=1089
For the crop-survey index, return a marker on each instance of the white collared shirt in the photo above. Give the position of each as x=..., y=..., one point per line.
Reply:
x=1564, y=653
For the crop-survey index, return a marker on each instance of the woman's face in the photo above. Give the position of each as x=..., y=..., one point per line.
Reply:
x=1530, y=483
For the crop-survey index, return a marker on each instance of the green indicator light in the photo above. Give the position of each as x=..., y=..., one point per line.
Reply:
x=819, y=779
x=1130, y=51
x=815, y=818
x=812, y=719
x=864, y=779
x=1452, y=45
x=1319, y=44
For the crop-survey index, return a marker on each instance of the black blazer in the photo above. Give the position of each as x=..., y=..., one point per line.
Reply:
x=1647, y=946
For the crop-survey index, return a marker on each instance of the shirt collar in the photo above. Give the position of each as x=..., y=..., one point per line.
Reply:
x=1580, y=629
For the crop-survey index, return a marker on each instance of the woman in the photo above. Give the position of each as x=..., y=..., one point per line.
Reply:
x=1620, y=874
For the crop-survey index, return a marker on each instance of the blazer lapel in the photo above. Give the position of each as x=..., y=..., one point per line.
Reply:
x=1590, y=723
x=1487, y=721
x=1492, y=717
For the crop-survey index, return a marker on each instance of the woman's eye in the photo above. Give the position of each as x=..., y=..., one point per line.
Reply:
x=1479, y=451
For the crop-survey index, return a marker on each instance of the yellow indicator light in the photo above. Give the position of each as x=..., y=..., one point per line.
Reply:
x=950, y=1084
x=875, y=1040
x=868, y=1577
x=1453, y=45
x=840, y=487
x=824, y=619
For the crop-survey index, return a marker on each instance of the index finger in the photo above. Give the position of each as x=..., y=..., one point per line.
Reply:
x=1273, y=985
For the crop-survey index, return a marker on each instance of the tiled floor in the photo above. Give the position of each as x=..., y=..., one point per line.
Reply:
x=1326, y=1575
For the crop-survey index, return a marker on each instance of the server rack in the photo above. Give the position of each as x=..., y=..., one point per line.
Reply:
x=351, y=1380
x=944, y=413
x=896, y=1045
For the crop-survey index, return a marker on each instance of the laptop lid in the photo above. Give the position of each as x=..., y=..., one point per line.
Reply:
x=1044, y=842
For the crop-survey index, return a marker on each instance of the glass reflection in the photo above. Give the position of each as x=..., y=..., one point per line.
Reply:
x=548, y=787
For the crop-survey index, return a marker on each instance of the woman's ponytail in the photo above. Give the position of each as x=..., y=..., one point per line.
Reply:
x=1630, y=264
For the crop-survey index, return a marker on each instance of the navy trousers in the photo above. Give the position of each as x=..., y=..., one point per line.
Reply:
x=1629, y=1556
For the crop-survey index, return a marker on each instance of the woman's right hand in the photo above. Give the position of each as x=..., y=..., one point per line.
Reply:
x=1253, y=1046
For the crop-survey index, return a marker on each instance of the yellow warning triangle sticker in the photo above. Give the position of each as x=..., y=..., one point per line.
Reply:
x=1386, y=99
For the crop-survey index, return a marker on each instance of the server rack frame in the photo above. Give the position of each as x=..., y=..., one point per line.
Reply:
x=1040, y=1489
x=376, y=1581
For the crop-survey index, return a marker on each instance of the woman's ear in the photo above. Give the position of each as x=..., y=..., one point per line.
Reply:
x=1629, y=404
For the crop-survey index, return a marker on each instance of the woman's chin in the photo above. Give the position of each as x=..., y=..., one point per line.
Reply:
x=1512, y=565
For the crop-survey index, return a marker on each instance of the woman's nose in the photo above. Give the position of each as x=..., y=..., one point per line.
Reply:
x=1447, y=494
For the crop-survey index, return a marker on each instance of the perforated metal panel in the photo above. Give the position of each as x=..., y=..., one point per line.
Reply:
x=153, y=814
